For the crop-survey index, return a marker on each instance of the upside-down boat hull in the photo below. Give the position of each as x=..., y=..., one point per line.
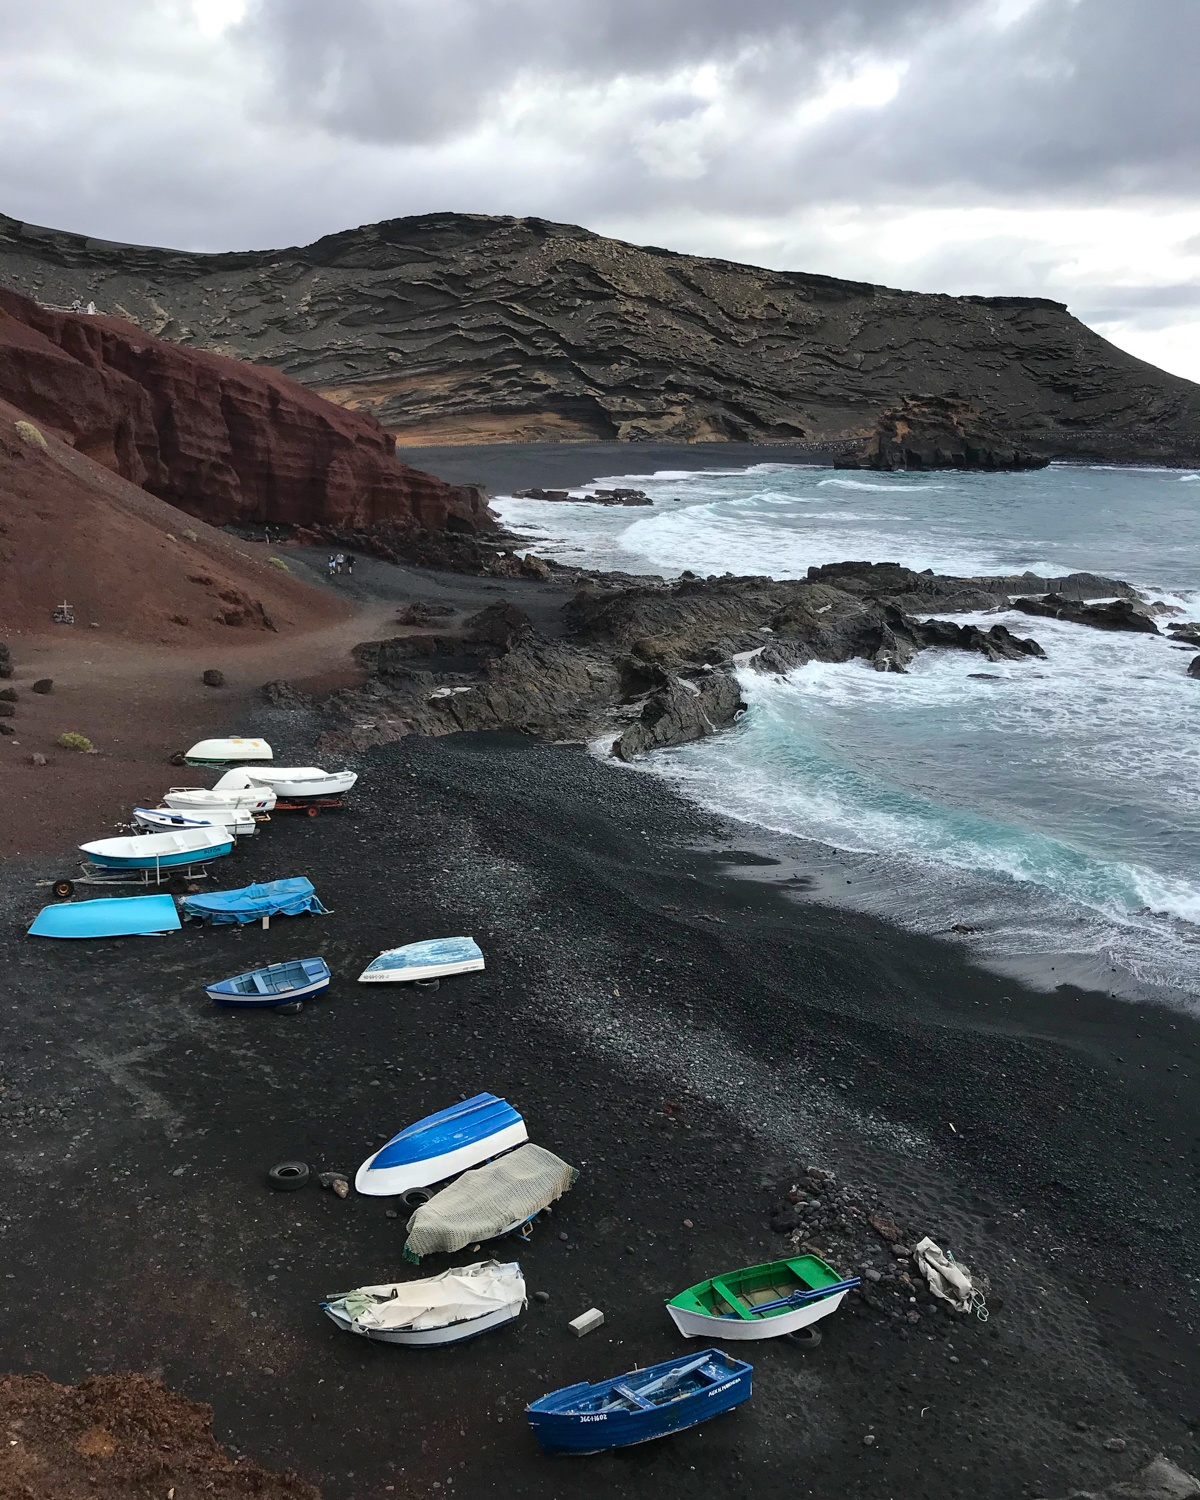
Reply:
x=228, y=752
x=435, y=958
x=441, y=1146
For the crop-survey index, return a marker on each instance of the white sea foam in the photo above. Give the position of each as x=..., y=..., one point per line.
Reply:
x=896, y=487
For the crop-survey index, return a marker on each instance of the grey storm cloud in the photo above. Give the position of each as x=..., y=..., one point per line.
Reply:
x=422, y=70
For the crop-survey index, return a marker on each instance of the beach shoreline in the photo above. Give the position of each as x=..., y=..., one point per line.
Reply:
x=627, y=965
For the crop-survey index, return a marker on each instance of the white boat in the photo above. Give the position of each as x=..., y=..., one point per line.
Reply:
x=160, y=851
x=227, y=752
x=458, y=1304
x=296, y=783
x=435, y=958
x=163, y=819
x=233, y=791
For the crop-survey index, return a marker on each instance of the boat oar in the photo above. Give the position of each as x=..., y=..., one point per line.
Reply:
x=798, y=1299
x=676, y=1374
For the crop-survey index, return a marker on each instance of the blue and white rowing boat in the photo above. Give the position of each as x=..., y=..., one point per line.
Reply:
x=638, y=1407
x=441, y=1146
x=160, y=851
x=163, y=819
x=277, y=984
x=435, y=958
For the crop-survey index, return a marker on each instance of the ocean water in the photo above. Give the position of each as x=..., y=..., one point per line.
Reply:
x=1054, y=806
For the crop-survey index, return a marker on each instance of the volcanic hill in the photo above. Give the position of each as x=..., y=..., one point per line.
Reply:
x=463, y=328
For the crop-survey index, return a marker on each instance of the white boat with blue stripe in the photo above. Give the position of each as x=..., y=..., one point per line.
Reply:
x=442, y=1146
x=160, y=851
x=276, y=984
x=163, y=819
x=436, y=958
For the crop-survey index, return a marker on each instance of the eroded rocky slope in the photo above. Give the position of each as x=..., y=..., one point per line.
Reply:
x=465, y=328
x=222, y=439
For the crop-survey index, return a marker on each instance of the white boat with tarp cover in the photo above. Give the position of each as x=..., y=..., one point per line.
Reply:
x=445, y=1309
x=435, y=958
x=300, y=783
x=441, y=1146
x=232, y=792
x=229, y=752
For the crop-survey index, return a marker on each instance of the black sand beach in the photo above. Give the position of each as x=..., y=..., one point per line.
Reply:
x=1050, y=1140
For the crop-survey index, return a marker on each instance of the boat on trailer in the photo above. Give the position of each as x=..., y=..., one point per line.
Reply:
x=276, y=984
x=640, y=1406
x=160, y=851
x=442, y=1145
x=760, y=1302
x=445, y=1309
x=161, y=819
x=435, y=958
x=228, y=752
x=232, y=792
x=300, y=783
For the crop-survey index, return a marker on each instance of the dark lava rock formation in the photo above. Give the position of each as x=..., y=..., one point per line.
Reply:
x=937, y=432
x=654, y=664
x=1116, y=614
x=223, y=440
x=464, y=328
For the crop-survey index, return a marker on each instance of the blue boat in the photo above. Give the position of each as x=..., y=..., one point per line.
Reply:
x=122, y=916
x=639, y=1407
x=276, y=984
x=271, y=898
x=441, y=1146
x=160, y=851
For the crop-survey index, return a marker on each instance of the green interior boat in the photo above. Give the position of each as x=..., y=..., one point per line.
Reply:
x=740, y=1293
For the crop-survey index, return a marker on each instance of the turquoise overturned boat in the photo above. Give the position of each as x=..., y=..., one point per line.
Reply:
x=120, y=916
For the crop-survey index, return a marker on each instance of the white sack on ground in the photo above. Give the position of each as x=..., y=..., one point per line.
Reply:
x=487, y=1201
x=453, y=1297
x=947, y=1279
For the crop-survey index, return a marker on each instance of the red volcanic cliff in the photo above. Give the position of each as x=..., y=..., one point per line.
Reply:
x=224, y=440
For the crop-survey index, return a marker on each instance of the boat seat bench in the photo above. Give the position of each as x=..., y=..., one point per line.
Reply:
x=631, y=1395
x=731, y=1299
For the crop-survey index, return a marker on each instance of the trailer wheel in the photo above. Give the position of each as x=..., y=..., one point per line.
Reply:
x=178, y=759
x=64, y=888
x=287, y=1176
x=313, y=811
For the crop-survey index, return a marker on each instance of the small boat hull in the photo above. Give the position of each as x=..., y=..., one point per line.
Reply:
x=442, y=1145
x=122, y=916
x=228, y=752
x=160, y=851
x=428, y=1338
x=583, y=1419
x=760, y=1302
x=164, y=819
x=200, y=800
x=304, y=783
x=435, y=958
x=276, y=984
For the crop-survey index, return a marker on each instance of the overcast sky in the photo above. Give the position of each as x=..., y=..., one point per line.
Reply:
x=1047, y=147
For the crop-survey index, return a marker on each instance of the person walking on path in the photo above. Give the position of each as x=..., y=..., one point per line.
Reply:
x=340, y=560
x=332, y=565
x=350, y=563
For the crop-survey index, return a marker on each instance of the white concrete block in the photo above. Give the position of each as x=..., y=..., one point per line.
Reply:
x=586, y=1322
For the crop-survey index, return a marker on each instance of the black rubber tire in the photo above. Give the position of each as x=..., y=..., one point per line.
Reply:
x=805, y=1338
x=178, y=759
x=292, y=1008
x=288, y=1176
x=415, y=1197
x=427, y=984
x=64, y=888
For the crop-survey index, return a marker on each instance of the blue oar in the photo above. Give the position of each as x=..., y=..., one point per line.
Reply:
x=798, y=1299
